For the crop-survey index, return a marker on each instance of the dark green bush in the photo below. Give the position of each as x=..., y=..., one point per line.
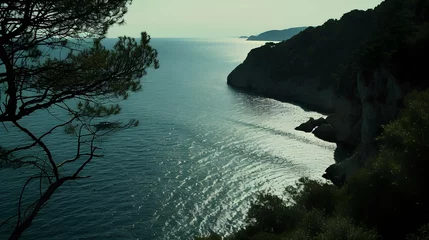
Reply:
x=272, y=214
x=314, y=195
x=311, y=224
x=422, y=234
x=341, y=228
x=390, y=193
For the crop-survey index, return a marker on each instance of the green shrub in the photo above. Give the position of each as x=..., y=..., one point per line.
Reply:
x=311, y=224
x=314, y=195
x=390, y=193
x=271, y=214
x=340, y=228
x=422, y=234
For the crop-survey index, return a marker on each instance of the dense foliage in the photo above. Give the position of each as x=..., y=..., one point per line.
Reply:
x=387, y=199
x=393, y=35
x=400, y=43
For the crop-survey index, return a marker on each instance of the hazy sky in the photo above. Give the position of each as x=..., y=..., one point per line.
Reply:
x=229, y=18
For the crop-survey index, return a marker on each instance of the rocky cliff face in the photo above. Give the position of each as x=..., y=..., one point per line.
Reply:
x=381, y=96
x=351, y=124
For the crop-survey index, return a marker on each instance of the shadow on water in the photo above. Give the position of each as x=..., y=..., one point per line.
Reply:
x=251, y=99
x=305, y=107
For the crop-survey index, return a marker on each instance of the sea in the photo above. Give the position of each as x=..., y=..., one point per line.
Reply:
x=201, y=154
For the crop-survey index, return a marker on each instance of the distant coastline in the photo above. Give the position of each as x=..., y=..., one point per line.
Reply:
x=276, y=35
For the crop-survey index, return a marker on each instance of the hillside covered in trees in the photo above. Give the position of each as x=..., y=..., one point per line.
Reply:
x=371, y=65
x=335, y=52
x=358, y=69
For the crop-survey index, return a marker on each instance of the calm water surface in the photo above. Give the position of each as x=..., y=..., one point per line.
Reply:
x=201, y=153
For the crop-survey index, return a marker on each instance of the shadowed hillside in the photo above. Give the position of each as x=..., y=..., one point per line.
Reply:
x=372, y=64
x=357, y=68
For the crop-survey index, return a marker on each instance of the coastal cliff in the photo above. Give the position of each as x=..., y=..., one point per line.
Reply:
x=381, y=95
x=307, y=68
x=256, y=76
x=356, y=69
x=378, y=116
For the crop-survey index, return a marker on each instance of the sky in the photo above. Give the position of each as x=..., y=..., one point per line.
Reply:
x=229, y=18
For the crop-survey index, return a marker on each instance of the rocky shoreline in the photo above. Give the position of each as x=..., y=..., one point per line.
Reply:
x=367, y=70
x=352, y=125
x=348, y=69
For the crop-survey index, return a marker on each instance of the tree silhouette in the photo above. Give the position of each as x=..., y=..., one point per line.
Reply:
x=83, y=83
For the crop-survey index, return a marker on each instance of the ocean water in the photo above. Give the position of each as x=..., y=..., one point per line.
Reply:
x=200, y=155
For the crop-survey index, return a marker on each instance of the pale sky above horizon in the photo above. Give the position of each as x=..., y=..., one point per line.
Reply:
x=229, y=18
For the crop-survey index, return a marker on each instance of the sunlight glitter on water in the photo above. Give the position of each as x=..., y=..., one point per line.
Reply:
x=200, y=155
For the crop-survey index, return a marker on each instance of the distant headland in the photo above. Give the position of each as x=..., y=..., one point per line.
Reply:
x=276, y=35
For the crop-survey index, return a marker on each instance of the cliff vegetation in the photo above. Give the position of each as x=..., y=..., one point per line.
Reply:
x=369, y=66
x=386, y=199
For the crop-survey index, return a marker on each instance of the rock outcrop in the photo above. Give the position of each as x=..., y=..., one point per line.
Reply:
x=350, y=123
x=381, y=96
x=325, y=132
x=310, y=125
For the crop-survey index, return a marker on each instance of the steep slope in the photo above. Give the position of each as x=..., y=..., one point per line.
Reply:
x=357, y=68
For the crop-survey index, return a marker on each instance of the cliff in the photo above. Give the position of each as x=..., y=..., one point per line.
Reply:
x=306, y=68
x=277, y=35
x=378, y=101
x=357, y=69
x=381, y=95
